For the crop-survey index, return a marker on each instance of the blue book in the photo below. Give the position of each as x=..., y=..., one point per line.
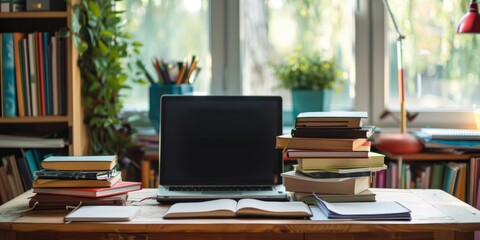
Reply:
x=31, y=162
x=47, y=73
x=449, y=178
x=8, y=74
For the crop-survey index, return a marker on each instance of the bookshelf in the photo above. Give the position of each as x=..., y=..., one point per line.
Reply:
x=68, y=122
x=412, y=170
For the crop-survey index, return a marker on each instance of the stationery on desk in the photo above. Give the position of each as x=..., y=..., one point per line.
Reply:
x=380, y=210
x=103, y=214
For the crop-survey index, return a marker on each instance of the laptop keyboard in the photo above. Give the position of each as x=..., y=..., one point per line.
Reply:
x=220, y=189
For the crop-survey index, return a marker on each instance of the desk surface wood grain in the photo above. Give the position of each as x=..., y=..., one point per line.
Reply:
x=435, y=214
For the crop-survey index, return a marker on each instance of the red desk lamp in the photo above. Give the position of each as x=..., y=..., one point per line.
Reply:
x=470, y=22
x=399, y=143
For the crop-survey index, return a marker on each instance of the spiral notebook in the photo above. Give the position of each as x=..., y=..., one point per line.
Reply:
x=452, y=134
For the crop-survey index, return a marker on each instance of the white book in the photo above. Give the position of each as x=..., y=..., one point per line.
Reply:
x=32, y=49
x=103, y=214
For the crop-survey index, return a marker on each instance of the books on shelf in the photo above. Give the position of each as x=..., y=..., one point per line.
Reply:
x=373, y=160
x=384, y=210
x=307, y=197
x=47, y=201
x=287, y=141
x=363, y=132
x=44, y=183
x=115, y=189
x=349, y=119
x=296, y=182
x=105, y=162
x=244, y=207
x=33, y=74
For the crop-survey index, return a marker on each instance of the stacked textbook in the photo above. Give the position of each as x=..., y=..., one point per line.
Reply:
x=334, y=158
x=69, y=180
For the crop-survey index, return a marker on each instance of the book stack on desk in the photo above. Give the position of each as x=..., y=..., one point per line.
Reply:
x=333, y=154
x=74, y=179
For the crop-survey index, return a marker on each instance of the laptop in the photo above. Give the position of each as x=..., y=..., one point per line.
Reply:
x=214, y=147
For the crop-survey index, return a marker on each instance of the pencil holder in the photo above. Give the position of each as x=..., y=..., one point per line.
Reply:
x=156, y=92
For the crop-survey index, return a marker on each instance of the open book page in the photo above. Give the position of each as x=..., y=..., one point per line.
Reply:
x=244, y=207
x=253, y=207
x=213, y=208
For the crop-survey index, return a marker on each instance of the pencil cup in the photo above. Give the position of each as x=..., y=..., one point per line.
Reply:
x=156, y=92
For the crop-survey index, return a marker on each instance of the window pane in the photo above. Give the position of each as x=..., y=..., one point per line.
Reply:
x=172, y=30
x=441, y=67
x=275, y=28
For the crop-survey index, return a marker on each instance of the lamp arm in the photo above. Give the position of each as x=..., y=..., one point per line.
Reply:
x=394, y=20
x=401, y=76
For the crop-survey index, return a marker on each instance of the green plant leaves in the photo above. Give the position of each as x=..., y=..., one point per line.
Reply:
x=307, y=71
x=105, y=51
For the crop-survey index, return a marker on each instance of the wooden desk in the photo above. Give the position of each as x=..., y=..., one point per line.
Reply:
x=436, y=215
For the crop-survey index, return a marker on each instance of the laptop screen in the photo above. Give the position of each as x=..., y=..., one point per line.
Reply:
x=220, y=140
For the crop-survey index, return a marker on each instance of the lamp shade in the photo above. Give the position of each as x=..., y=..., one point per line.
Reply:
x=470, y=22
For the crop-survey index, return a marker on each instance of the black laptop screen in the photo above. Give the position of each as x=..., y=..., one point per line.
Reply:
x=220, y=140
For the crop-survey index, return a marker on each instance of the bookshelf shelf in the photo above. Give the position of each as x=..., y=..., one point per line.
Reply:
x=13, y=15
x=46, y=119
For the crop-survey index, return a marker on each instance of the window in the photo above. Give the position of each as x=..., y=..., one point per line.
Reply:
x=171, y=30
x=441, y=76
x=236, y=40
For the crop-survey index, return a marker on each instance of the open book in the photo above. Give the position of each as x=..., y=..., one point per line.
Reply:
x=244, y=207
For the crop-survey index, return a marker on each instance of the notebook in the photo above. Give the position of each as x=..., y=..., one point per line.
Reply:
x=214, y=147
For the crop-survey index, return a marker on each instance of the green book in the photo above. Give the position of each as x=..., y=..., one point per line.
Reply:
x=437, y=176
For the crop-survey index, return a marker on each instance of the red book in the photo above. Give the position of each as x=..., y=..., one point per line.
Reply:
x=41, y=86
x=117, y=188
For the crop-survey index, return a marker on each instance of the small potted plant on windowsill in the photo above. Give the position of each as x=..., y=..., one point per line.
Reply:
x=311, y=78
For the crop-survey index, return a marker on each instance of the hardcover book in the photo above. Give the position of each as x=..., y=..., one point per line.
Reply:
x=117, y=188
x=363, y=132
x=349, y=119
x=49, y=201
x=44, y=183
x=361, y=152
x=106, y=162
x=244, y=207
x=78, y=175
x=373, y=160
x=8, y=76
x=288, y=142
x=296, y=182
x=307, y=197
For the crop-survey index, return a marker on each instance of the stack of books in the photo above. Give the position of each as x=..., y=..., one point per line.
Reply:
x=69, y=180
x=333, y=154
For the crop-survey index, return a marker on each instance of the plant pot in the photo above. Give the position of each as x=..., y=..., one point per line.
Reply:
x=310, y=101
x=156, y=92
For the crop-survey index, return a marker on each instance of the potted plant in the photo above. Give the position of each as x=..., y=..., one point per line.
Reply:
x=106, y=59
x=311, y=78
